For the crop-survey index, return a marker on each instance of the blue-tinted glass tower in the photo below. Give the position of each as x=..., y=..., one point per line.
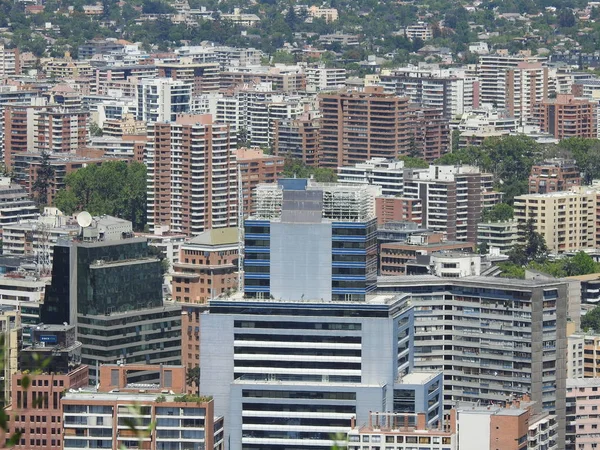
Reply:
x=313, y=241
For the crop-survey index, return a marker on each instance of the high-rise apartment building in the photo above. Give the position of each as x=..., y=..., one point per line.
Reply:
x=9, y=62
x=492, y=338
x=498, y=235
x=389, y=174
x=298, y=139
x=498, y=74
x=204, y=77
x=430, y=133
x=452, y=198
x=311, y=241
x=451, y=95
x=554, y=176
x=54, y=357
x=112, y=291
x=162, y=99
x=293, y=374
x=359, y=125
x=207, y=267
x=192, y=175
x=57, y=131
x=567, y=116
x=15, y=204
x=567, y=220
x=43, y=128
x=256, y=167
x=583, y=402
x=526, y=86
x=583, y=356
x=325, y=78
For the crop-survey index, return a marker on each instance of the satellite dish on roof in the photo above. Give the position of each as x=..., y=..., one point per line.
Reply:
x=84, y=219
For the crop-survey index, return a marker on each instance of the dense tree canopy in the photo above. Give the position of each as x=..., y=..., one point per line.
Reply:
x=508, y=158
x=498, y=213
x=115, y=188
x=296, y=168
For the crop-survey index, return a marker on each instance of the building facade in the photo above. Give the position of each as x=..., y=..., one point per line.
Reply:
x=192, y=175
x=567, y=116
x=310, y=240
x=112, y=292
x=357, y=126
x=299, y=371
x=491, y=338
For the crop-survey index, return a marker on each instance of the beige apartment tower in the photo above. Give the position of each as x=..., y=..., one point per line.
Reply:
x=566, y=220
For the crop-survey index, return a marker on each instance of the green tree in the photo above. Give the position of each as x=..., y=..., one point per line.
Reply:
x=511, y=270
x=411, y=162
x=580, y=264
x=95, y=130
x=498, y=213
x=44, y=176
x=533, y=249
x=586, y=153
x=455, y=140
x=508, y=158
x=114, y=188
x=192, y=376
x=591, y=320
x=294, y=168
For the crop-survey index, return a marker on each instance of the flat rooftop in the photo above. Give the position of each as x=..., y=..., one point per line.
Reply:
x=419, y=377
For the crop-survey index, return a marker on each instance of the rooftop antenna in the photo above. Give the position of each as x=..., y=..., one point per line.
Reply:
x=240, y=231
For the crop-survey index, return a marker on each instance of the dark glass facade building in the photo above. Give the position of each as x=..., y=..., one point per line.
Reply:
x=112, y=292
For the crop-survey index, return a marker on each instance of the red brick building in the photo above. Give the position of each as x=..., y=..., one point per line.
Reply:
x=256, y=167
x=567, y=116
x=398, y=209
x=554, y=176
x=207, y=267
x=37, y=412
x=359, y=125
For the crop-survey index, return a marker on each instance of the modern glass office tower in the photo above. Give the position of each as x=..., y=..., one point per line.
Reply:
x=311, y=241
x=293, y=374
x=112, y=291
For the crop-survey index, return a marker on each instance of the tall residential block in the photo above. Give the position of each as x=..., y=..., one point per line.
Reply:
x=298, y=139
x=15, y=204
x=567, y=220
x=583, y=402
x=360, y=125
x=492, y=338
x=111, y=289
x=311, y=241
x=36, y=408
x=162, y=99
x=509, y=81
x=192, y=175
x=204, y=77
x=452, y=198
x=293, y=374
x=567, y=116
